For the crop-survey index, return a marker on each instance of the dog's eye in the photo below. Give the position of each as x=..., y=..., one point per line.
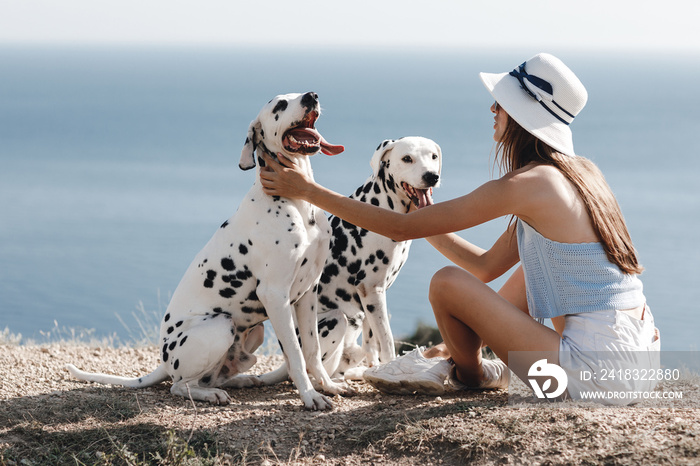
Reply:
x=435, y=156
x=407, y=159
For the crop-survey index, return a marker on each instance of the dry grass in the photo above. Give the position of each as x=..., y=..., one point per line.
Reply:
x=47, y=418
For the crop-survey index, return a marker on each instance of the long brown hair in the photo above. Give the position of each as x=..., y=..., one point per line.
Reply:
x=520, y=148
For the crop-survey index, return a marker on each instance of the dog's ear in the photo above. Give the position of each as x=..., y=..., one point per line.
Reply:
x=251, y=143
x=382, y=149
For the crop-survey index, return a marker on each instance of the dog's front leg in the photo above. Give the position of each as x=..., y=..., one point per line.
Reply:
x=279, y=310
x=377, y=338
x=308, y=333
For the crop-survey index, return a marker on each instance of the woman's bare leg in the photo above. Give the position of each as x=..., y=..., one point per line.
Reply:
x=469, y=314
x=513, y=291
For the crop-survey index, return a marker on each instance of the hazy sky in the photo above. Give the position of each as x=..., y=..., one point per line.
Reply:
x=637, y=24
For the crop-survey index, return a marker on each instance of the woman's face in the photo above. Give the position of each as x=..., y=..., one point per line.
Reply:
x=500, y=121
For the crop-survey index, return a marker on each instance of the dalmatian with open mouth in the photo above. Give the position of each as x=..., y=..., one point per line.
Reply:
x=264, y=262
x=363, y=265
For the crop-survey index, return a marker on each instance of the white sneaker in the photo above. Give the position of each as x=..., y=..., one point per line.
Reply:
x=496, y=377
x=409, y=374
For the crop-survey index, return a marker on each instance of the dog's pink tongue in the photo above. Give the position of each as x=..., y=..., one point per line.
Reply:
x=423, y=198
x=330, y=149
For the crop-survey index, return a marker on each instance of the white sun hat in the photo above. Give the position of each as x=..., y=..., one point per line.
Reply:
x=543, y=96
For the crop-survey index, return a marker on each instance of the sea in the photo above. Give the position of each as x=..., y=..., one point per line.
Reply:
x=118, y=163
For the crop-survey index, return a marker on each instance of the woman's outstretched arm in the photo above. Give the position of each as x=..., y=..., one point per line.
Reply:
x=487, y=202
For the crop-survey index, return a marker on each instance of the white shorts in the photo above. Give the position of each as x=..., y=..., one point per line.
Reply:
x=611, y=352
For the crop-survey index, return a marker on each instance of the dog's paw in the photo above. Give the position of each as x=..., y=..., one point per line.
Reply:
x=244, y=381
x=355, y=373
x=217, y=397
x=340, y=388
x=316, y=401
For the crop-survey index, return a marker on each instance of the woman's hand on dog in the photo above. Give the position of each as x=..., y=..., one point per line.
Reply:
x=282, y=177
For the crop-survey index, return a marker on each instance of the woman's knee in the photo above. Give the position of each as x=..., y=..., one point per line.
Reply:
x=447, y=283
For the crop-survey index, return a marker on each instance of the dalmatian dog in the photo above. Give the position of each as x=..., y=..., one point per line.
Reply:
x=363, y=265
x=263, y=263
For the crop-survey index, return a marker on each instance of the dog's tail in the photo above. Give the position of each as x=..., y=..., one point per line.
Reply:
x=155, y=377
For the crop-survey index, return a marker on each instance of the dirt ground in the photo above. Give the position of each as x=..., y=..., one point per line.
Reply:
x=48, y=418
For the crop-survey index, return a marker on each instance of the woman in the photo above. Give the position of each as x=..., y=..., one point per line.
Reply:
x=578, y=265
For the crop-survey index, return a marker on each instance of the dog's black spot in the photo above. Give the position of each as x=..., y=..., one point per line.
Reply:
x=331, y=270
x=371, y=334
x=276, y=199
x=370, y=259
x=209, y=281
x=172, y=345
x=165, y=352
x=176, y=364
x=376, y=188
x=254, y=310
x=340, y=243
x=344, y=295
x=390, y=202
x=325, y=301
x=390, y=184
x=354, y=267
x=303, y=263
x=281, y=106
x=227, y=292
x=370, y=308
x=227, y=264
x=184, y=339
x=375, y=201
x=170, y=330
x=261, y=161
x=243, y=249
x=327, y=323
x=380, y=254
x=225, y=224
x=206, y=379
x=179, y=323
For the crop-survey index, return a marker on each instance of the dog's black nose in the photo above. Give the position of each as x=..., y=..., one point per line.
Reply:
x=309, y=100
x=431, y=178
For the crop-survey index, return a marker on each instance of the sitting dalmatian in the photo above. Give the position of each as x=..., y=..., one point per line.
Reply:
x=264, y=262
x=363, y=265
